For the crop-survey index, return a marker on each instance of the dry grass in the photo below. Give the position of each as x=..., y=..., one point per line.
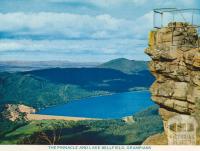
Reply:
x=32, y=117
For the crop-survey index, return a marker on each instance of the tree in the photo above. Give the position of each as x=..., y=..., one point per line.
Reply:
x=51, y=136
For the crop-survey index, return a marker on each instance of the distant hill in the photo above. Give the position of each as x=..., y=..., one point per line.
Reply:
x=125, y=65
x=27, y=89
x=96, y=78
x=20, y=66
x=47, y=87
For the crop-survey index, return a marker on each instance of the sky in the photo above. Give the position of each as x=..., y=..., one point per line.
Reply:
x=78, y=30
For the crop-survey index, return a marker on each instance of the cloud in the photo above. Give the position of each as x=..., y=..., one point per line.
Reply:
x=66, y=34
x=75, y=28
x=72, y=46
x=113, y=3
x=103, y=3
x=73, y=25
x=144, y=2
x=66, y=25
x=129, y=48
x=179, y=3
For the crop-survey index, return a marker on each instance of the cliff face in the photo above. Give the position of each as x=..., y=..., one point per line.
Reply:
x=176, y=66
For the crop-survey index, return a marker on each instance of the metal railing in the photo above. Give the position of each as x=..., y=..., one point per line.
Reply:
x=163, y=16
x=167, y=15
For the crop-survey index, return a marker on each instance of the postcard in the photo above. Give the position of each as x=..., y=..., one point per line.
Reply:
x=79, y=75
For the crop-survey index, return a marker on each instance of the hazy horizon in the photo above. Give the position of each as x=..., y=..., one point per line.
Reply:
x=69, y=61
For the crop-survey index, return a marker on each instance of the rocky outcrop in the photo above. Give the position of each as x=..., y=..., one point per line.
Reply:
x=128, y=119
x=157, y=139
x=175, y=63
x=15, y=112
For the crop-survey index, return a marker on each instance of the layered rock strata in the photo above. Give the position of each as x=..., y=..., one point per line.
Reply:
x=175, y=55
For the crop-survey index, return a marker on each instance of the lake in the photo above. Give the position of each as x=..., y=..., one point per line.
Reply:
x=112, y=106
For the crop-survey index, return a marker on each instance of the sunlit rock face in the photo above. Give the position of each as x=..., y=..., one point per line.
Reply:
x=14, y=112
x=175, y=55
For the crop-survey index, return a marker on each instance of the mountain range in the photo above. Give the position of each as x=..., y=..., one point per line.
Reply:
x=20, y=66
x=125, y=65
x=51, y=86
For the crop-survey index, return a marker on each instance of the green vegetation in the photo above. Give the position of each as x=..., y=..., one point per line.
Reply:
x=48, y=87
x=100, y=79
x=37, y=92
x=9, y=126
x=87, y=132
x=125, y=65
x=43, y=88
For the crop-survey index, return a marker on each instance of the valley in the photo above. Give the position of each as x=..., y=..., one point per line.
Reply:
x=47, y=87
x=111, y=88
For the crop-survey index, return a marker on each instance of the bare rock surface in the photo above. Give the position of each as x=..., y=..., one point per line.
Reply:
x=15, y=112
x=176, y=65
x=157, y=139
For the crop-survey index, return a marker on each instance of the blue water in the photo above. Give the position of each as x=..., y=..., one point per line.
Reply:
x=112, y=106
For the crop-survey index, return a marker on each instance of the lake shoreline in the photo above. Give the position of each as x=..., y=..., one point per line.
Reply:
x=82, y=99
x=36, y=117
x=113, y=106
